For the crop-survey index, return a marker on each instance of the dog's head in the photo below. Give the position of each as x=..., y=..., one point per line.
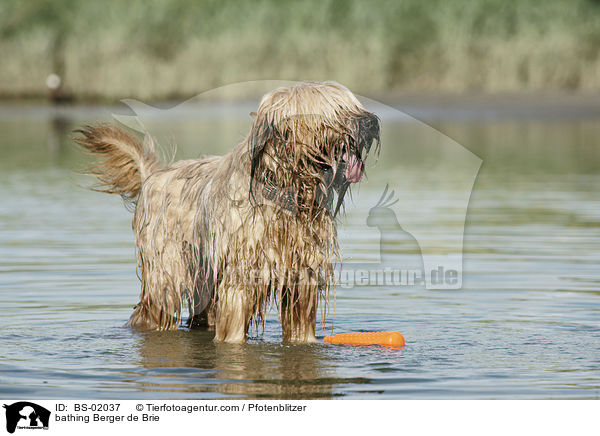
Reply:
x=312, y=140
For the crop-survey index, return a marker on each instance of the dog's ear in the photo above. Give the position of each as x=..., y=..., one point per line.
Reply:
x=262, y=132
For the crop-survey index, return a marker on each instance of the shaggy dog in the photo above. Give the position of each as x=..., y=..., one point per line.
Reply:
x=227, y=235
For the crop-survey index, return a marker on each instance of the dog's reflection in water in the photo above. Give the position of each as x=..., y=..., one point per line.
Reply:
x=191, y=362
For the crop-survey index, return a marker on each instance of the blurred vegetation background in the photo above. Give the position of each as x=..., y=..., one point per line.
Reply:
x=154, y=49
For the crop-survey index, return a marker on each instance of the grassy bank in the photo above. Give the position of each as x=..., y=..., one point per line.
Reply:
x=158, y=49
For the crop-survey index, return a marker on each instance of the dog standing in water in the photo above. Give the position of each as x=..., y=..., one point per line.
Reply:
x=227, y=235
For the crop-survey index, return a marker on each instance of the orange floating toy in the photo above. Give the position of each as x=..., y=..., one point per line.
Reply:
x=391, y=339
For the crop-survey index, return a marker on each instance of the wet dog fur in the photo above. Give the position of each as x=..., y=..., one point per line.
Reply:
x=226, y=236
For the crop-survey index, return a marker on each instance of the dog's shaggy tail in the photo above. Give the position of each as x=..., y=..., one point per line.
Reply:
x=123, y=161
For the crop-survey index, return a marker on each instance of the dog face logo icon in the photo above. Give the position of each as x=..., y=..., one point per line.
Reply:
x=26, y=415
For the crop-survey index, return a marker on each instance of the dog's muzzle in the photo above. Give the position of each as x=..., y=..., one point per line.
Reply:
x=350, y=169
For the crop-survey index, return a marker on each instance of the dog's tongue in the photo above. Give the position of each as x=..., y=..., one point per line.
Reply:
x=354, y=168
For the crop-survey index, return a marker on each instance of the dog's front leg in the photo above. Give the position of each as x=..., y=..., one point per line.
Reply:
x=298, y=318
x=233, y=315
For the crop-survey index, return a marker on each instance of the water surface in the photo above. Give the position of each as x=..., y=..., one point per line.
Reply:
x=526, y=323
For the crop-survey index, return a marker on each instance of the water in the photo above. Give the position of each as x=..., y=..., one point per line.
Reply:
x=526, y=323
